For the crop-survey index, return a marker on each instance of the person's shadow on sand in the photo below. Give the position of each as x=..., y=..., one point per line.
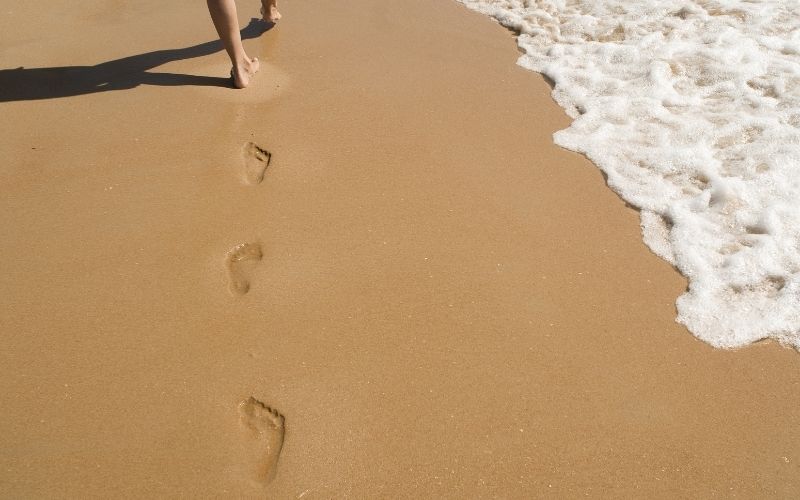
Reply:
x=24, y=84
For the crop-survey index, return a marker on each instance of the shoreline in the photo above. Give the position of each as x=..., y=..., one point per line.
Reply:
x=445, y=302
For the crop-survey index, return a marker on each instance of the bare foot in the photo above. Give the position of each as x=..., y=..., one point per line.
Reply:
x=244, y=71
x=269, y=10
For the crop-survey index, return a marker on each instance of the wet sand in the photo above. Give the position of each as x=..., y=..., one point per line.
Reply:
x=431, y=299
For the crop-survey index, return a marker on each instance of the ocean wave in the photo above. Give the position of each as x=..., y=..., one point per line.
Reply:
x=692, y=109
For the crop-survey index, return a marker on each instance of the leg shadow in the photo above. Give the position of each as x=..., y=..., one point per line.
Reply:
x=25, y=84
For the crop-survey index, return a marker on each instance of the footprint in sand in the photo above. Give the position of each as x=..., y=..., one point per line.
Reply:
x=264, y=431
x=240, y=262
x=256, y=161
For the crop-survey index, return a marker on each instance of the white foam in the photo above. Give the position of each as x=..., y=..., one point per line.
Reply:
x=692, y=109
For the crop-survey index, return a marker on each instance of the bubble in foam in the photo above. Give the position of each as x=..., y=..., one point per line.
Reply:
x=692, y=109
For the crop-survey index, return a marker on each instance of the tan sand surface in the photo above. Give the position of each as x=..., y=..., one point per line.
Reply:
x=445, y=306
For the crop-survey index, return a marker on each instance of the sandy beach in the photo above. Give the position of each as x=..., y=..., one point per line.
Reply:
x=370, y=275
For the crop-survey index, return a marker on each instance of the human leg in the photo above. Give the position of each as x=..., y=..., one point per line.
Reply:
x=269, y=10
x=223, y=14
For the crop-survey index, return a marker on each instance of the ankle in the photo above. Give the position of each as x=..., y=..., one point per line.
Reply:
x=242, y=62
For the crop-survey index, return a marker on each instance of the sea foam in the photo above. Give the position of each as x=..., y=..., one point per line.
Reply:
x=692, y=109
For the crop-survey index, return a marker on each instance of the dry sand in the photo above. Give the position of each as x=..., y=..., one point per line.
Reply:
x=441, y=302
